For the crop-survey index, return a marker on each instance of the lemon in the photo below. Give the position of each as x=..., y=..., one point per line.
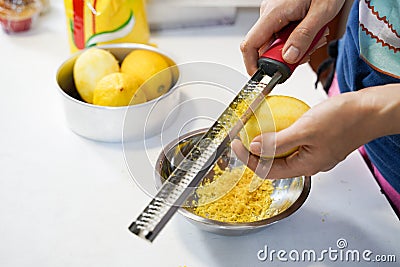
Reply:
x=276, y=113
x=89, y=68
x=117, y=89
x=150, y=69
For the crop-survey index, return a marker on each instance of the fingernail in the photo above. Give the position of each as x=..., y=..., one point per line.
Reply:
x=255, y=147
x=291, y=54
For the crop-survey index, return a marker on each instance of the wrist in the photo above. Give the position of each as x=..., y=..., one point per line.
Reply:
x=380, y=107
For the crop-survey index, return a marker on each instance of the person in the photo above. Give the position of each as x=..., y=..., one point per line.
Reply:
x=364, y=110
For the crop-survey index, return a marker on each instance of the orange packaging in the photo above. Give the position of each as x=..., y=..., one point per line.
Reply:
x=96, y=22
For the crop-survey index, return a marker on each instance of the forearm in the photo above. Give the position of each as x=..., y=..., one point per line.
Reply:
x=380, y=107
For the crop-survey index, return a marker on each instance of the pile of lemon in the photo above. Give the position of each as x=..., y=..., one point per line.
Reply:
x=142, y=76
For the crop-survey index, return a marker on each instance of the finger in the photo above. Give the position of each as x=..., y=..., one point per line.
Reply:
x=271, y=144
x=243, y=154
x=259, y=36
x=250, y=56
x=301, y=38
x=321, y=43
x=264, y=145
x=263, y=6
x=269, y=169
x=292, y=166
x=260, y=167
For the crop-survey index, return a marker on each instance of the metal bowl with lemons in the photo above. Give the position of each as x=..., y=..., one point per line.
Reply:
x=137, y=110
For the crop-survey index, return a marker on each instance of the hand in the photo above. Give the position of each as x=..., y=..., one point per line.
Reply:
x=276, y=14
x=326, y=134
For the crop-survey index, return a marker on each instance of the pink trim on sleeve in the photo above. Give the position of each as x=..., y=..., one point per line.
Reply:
x=334, y=89
x=387, y=189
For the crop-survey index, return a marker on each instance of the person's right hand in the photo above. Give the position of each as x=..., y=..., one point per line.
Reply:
x=276, y=14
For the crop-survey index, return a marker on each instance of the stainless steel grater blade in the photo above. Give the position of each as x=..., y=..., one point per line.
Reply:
x=189, y=173
x=206, y=152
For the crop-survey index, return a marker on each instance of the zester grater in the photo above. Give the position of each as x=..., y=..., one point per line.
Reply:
x=190, y=171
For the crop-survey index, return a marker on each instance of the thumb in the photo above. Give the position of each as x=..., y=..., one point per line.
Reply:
x=301, y=38
x=271, y=144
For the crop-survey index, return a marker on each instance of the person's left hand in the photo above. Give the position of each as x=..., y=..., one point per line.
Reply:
x=325, y=135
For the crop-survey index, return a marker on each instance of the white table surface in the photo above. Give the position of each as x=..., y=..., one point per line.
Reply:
x=67, y=201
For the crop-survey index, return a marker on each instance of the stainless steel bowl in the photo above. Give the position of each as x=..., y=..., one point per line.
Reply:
x=288, y=196
x=112, y=124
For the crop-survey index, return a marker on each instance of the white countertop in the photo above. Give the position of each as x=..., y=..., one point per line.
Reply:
x=68, y=201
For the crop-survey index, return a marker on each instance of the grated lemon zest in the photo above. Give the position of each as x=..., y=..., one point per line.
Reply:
x=227, y=198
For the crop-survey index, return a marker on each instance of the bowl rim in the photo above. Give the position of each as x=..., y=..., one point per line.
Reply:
x=228, y=225
x=112, y=46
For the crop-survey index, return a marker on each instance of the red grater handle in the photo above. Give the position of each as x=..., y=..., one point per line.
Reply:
x=271, y=61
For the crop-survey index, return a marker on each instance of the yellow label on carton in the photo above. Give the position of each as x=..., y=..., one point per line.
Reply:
x=96, y=22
